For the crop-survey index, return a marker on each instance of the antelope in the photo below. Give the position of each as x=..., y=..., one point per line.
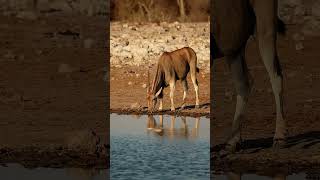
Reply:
x=173, y=66
x=233, y=23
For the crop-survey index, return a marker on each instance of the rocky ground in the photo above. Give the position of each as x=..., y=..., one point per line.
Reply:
x=136, y=46
x=299, y=56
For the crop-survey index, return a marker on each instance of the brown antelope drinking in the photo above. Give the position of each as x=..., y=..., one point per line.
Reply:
x=233, y=23
x=173, y=66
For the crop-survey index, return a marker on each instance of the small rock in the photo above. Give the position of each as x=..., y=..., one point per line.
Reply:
x=137, y=75
x=135, y=106
x=134, y=28
x=65, y=68
x=229, y=95
x=144, y=86
x=39, y=52
x=298, y=37
x=29, y=15
x=130, y=83
x=299, y=46
x=9, y=55
x=112, y=79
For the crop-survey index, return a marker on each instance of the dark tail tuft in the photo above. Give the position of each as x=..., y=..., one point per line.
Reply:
x=197, y=70
x=281, y=27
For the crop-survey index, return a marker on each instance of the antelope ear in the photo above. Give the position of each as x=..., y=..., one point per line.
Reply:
x=158, y=93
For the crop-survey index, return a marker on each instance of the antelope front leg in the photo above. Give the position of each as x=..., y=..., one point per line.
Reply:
x=172, y=88
x=266, y=31
x=160, y=104
x=196, y=87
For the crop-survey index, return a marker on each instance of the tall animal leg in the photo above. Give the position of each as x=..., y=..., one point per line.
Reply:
x=193, y=73
x=266, y=14
x=172, y=88
x=160, y=104
x=240, y=77
x=185, y=90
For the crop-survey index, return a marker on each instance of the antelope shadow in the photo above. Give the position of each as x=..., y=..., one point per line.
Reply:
x=305, y=140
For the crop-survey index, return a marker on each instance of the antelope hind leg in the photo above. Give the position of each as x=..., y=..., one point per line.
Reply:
x=240, y=77
x=185, y=90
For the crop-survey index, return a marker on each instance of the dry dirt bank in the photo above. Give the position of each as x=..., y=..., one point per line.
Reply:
x=51, y=88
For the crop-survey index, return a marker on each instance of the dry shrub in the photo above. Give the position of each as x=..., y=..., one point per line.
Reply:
x=158, y=10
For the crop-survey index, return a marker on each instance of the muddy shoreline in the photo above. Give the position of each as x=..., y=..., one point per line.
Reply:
x=55, y=157
x=299, y=154
x=144, y=111
x=264, y=167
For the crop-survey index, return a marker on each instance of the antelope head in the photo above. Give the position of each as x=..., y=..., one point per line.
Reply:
x=151, y=96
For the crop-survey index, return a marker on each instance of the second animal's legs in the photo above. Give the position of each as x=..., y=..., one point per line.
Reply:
x=172, y=88
x=266, y=31
x=185, y=90
x=240, y=77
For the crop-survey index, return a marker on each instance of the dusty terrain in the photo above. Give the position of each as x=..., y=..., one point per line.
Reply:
x=299, y=56
x=52, y=92
x=136, y=46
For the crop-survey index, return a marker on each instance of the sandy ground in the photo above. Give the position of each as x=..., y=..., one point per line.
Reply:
x=302, y=104
x=130, y=61
x=52, y=92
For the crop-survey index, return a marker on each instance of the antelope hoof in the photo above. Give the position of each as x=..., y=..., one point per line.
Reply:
x=160, y=109
x=173, y=109
x=233, y=147
x=197, y=106
x=183, y=106
x=278, y=144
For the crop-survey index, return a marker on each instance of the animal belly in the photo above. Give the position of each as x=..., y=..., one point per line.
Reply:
x=233, y=22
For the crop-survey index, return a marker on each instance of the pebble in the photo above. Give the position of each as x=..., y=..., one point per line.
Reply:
x=144, y=86
x=299, y=46
x=65, y=68
x=135, y=105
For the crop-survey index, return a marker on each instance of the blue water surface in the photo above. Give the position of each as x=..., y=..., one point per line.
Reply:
x=143, y=148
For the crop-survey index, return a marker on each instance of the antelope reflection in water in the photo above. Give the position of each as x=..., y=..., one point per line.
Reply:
x=171, y=131
x=237, y=176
